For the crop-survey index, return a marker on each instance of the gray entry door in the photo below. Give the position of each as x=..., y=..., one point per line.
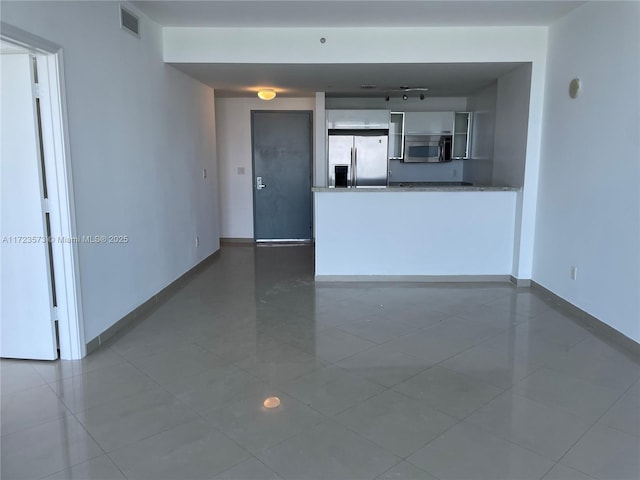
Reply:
x=282, y=146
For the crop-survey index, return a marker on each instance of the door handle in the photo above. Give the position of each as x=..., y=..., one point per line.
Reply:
x=355, y=167
x=259, y=184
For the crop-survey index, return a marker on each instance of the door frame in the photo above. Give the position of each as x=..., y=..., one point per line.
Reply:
x=57, y=161
x=253, y=174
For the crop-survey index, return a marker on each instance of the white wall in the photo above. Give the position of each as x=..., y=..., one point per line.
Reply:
x=479, y=168
x=387, y=45
x=458, y=233
x=320, y=141
x=234, y=151
x=511, y=125
x=589, y=193
x=141, y=132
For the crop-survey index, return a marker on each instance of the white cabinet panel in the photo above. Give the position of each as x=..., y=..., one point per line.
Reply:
x=358, y=119
x=428, y=122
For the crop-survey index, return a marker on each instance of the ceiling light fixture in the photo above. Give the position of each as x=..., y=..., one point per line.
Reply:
x=266, y=94
x=272, y=402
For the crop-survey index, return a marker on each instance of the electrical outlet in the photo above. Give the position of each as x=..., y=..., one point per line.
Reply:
x=197, y=241
x=240, y=170
x=574, y=272
x=204, y=173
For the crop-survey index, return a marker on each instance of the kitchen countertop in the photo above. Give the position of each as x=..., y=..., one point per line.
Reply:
x=422, y=187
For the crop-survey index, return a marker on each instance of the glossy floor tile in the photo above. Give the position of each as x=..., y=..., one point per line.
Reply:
x=606, y=453
x=466, y=452
x=109, y=384
x=55, y=371
x=549, y=431
x=625, y=414
x=124, y=421
x=375, y=380
x=502, y=369
x=47, y=448
x=253, y=426
x=383, y=365
x=561, y=472
x=251, y=469
x=101, y=468
x=577, y=396
x=16, y=375
x=217, y=388
x=328, y=451
x=331, y=390
x=451, y=392
x=190, y=451
x=405, y=471
x=397, y=423
x=30, y=407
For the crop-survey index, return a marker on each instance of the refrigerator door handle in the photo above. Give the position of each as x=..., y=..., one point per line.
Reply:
x=351, y=179
x=355, y=167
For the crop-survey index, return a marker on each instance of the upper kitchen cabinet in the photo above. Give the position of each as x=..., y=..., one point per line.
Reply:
x=357, y=119
x=461, y=136
x=419, y=123
x=396, y=136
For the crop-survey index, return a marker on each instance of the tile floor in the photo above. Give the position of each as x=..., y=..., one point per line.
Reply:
x=386, y=381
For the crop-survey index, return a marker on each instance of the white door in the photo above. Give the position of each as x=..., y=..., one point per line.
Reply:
x=26, y=318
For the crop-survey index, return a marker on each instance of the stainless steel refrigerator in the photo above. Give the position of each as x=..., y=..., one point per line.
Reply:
x=358, y=158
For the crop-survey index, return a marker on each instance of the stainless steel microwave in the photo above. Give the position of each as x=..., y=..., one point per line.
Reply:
x=427, y=148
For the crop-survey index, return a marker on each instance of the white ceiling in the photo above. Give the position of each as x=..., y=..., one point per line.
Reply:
x=345, y=80
x=442, y=80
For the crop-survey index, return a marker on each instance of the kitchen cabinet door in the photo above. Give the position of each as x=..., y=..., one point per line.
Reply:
x=358, y=119
x=396, y=136
x=428, y=122
x=462, y=136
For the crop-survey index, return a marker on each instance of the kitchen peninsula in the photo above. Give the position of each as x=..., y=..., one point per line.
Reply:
x=415, y=233
x=436, y=212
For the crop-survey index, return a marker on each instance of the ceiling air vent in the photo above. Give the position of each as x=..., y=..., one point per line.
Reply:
x=129, y=22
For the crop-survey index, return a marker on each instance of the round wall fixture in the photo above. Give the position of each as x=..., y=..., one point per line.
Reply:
x=574, y=88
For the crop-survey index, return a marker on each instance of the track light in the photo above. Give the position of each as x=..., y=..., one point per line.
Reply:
x=407, y=92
